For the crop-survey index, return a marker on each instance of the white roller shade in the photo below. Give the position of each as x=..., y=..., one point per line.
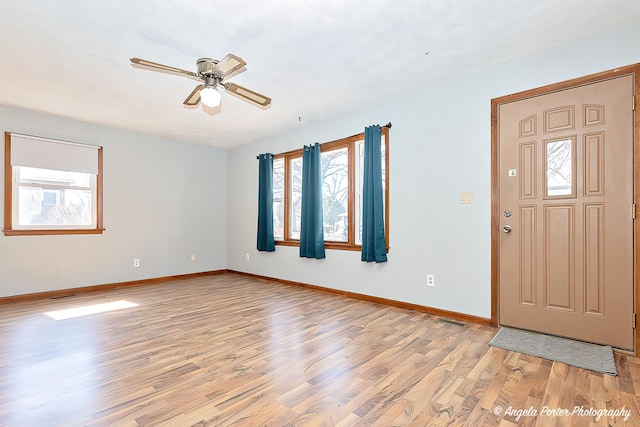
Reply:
x=51, y=154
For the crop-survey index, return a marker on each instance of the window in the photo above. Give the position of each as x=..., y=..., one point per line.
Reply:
x=278, y=199
x=51, y=187
x=342, y=171
x=560, y=164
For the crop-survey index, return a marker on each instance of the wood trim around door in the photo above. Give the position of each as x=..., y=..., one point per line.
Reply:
x=633, y=70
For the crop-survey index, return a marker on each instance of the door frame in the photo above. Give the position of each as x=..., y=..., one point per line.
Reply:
x=633, y=70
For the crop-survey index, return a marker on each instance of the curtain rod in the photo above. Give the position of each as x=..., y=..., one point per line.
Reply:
x=388, y=126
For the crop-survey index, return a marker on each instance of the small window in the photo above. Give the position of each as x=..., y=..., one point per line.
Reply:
x=53, y=187
x=335, y=194
x=278, y=199
x=560, y=164
x=295, y=186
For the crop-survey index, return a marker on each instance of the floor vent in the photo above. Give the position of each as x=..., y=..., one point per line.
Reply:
x=63, y=296
x=451, y=322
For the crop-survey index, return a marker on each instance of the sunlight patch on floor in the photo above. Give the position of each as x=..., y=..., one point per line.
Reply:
x=90, y=309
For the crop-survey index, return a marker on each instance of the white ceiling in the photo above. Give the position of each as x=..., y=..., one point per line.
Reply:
x=314, y=58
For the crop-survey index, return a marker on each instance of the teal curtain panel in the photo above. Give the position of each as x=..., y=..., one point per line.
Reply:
x=311, y=226
x=266, y=241
x=374, y=246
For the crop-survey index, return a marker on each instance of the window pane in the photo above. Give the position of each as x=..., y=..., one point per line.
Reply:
x=54, y=177
x=359, y=183
x=46, y=206
x=48, y=197
x=559, y=162
x=335, y=195
x=295, y=168
x=278, y=199
x=359, y=178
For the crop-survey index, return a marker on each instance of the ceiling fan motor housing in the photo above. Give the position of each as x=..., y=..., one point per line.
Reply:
x=206, y=66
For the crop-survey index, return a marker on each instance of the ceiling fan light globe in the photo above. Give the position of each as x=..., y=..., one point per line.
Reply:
x=210, y=97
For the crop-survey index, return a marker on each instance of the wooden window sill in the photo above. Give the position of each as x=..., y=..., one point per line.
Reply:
x=327, y=245
x=52, y=232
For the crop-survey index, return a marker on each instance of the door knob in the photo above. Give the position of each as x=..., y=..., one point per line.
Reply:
x=506, y=229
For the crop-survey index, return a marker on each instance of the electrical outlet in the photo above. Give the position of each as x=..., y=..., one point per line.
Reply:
x=246, y=257
x=136, y=262
x=431, y=280
x=466, y=197
x=193, y=257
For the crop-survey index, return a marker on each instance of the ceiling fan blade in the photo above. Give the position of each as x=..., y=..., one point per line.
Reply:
x=247, y=95
x=161, y=67
x=229, y=64
x=194, y=96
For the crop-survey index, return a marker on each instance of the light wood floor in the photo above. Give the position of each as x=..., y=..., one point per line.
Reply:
x=233, y=350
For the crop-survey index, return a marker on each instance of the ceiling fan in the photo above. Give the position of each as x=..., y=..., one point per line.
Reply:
x=212, y=73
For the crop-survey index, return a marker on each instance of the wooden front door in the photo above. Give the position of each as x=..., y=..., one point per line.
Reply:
x=566, y=249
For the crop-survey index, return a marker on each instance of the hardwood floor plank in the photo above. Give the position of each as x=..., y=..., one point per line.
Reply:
x=231, y=350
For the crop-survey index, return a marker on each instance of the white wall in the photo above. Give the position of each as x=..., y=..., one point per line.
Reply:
x=163, y=201
x=440, y=146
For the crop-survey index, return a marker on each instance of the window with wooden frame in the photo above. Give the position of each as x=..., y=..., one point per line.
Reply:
x=342, y=171
x=51, y=187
